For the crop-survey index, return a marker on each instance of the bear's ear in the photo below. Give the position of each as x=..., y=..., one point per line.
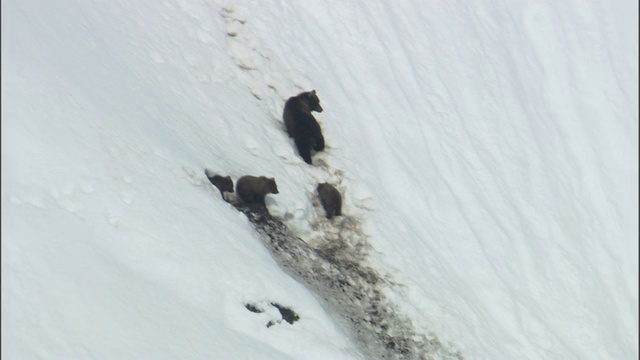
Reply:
x=313, y=91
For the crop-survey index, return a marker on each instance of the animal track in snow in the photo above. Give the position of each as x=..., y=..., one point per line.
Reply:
x=35, y=201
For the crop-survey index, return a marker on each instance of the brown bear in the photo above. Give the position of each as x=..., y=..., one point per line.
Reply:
x=253, y=189
x=223, y=183
x=330, y=199
x=301, y=125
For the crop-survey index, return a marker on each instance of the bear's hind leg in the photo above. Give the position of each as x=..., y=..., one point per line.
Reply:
x=319, y=143
x=304, y=150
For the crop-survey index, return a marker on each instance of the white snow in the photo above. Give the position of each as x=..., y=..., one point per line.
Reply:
x=490, y=150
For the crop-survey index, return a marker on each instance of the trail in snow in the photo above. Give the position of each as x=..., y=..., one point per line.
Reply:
x=333, y=264
x=351, y=289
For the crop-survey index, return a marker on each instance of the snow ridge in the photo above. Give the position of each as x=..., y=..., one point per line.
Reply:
x=333, y=264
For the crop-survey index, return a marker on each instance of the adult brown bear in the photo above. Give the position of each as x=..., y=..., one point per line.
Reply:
x=301, y=125
x=253, y=189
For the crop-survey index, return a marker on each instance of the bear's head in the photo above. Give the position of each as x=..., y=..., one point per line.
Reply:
x=273, y=188
x=312, y=101
x=326, y=189
x=224, y=183
x=323, y=187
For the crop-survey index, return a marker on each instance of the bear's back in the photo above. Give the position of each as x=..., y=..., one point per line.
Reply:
x=294, y=112
x=254, y=188
x=246, y=186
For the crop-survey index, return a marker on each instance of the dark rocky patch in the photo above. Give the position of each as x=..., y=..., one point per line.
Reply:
x=253, y=308
x=352, y=290
x=288, y=315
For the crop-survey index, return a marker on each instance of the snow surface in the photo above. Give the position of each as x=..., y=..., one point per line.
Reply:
x=489, y=150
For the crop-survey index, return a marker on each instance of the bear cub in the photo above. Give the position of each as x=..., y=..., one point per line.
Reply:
x=301, y=125
x=253, y=189
x=223, y=183
x=330, y=199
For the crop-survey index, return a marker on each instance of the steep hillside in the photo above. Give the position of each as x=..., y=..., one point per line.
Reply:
x=487, y=154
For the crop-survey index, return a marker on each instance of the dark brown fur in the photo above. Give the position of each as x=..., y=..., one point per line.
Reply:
x=253, y=189
x=301, y=125
x=223, y=183
x=330, y=199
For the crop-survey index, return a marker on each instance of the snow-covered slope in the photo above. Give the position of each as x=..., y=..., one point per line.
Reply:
x=489, y=151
